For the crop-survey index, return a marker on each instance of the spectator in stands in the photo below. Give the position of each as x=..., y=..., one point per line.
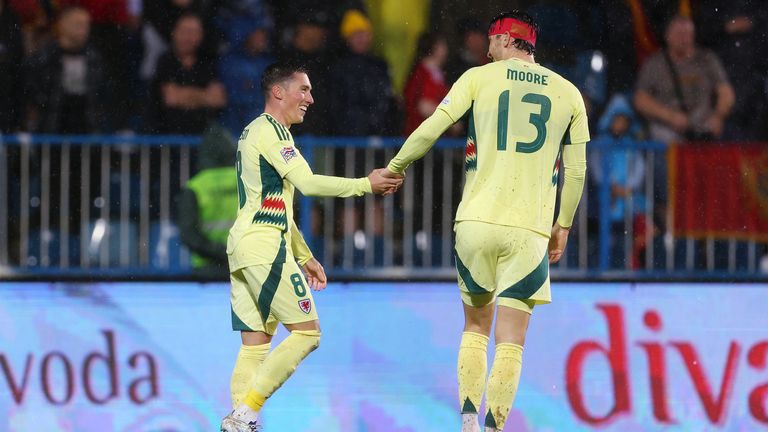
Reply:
x=36, y=18
x=684, y=94
x=629, y=32
x=186, y=92
x=683, y=90
x=426, y=85
x=424, y=90
x=160, y=17
x=11, y=56
x=241, y=69
x=473, y=51
x=253, y=10
x=363, y=104
x=65, y=86
x=207, y=206
x=737, y=32
x=361, y=100
x=566, y=44
x=616, y=163
x=112, y=31
x=308, y=47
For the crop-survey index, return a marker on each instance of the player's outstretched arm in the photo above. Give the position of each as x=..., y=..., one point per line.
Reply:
x=315, y=274
x=310, y=184
x=420, y=141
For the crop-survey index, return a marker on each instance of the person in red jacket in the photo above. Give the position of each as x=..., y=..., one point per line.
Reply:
x=426, y=85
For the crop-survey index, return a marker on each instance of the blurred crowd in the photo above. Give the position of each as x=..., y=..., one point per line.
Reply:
x=171, y=66
x=673, y=71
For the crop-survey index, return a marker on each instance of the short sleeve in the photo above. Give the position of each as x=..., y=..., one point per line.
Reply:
x=459, y=98
x=578, y=129
x=649, y=75
x=716, y=69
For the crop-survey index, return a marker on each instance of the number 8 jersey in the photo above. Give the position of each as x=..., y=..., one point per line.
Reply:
x=521, y=115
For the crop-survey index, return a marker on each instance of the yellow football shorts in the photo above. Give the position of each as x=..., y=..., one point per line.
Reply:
x=502, y=262
x=263, y=295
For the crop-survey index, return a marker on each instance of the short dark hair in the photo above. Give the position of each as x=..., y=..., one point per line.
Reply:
x=520, y=16
x=279, y=72
x=470, y=25
x=66, y=10
x=426, y=45
x=188, y=15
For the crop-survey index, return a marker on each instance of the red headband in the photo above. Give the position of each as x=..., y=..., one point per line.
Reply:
x=516, y=28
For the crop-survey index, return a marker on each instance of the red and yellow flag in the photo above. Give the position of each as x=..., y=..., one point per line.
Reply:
x=719, y=191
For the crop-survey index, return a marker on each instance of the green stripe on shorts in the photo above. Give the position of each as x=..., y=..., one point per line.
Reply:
x=238, y=324
x=269, y=288
x=466, y=276
x=527, y=286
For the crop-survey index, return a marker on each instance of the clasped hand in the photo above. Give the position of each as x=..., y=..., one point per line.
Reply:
x=384, y=181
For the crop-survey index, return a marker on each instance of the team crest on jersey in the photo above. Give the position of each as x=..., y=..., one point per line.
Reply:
x=288, y=153
x=445, y=101
x=305, y=305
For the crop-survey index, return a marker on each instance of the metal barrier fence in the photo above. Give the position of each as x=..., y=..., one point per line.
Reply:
x=94, y=205
x=79, y=202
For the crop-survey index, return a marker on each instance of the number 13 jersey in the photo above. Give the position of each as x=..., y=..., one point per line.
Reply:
x=520, y=116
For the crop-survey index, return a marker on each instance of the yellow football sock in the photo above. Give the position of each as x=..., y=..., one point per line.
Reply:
x=248, y=361
x=472, y=367
x=502, y=383
x=280, y=365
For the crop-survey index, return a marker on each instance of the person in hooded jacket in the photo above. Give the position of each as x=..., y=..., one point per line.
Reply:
x=242, y=67
x=207, y=206
x=623, y=167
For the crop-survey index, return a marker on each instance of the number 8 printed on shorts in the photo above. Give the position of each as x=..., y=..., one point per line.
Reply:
x=298, y=285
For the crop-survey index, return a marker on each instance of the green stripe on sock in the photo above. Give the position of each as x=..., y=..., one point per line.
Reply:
x=469, y=407
x=490, y=422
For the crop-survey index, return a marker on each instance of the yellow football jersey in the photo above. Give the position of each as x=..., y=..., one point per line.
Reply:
x=520, y=116
x=265, y=155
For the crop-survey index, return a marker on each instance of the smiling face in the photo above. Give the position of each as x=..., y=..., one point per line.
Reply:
x=297, y=97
